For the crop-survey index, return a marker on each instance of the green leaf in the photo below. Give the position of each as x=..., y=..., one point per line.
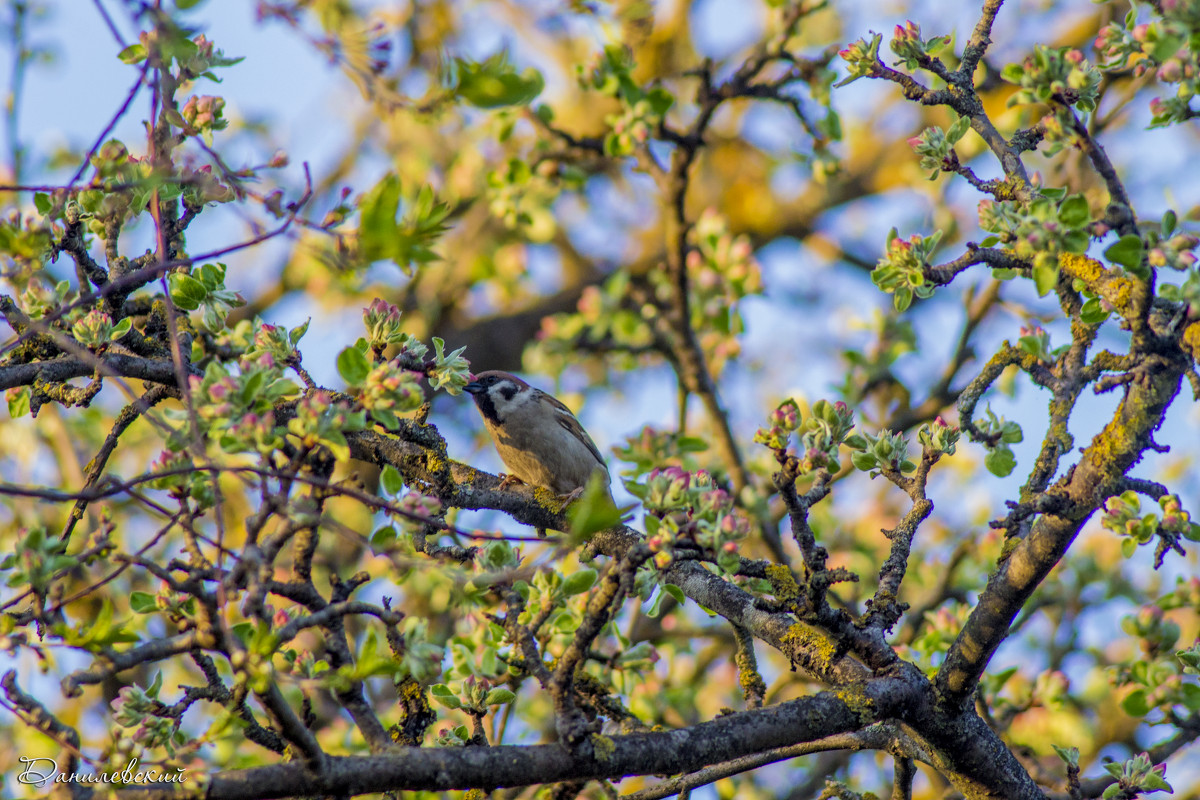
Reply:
x=1044, y=277
x=499, y=696
x=1153, y=782
x=1128, y=546
x=656, y=606
x=579, y=582
x=337, y=445
x=675, y=592
x=660, y=100
x=594, y=511
x=143, y=602
x=830, y=126
x=442, y=694
x=1169, y=221
x=1011, y=433
x=1136, y=704
x=133, y=54
x=390, y=480
x=377, y=235
x=1126, y=251
x=186, y=292
x=937, y=44
x=1191, y=696
x=495, y=83
x=212, y=276
x=297, y=333
x=1074, y=212
x=1013, y=73
x=383, y=539
x=1092, y=313
x=856, y=441
x=353, y=366
x=42, y=202
x=387, y=418
x=1167, y=45
x=1077, y=241
x=1000, y=461
x=958, y=129
x=1068, y=754
x=863, y=461
x=18, y=403
x=121, y=328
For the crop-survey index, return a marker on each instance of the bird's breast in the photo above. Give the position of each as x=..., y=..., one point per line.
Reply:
x=547, y=455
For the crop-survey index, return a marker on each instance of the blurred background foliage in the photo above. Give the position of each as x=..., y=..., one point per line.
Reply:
x=536, y=229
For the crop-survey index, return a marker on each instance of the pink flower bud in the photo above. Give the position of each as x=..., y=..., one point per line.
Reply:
x=1171, y=71
x=1149, y=617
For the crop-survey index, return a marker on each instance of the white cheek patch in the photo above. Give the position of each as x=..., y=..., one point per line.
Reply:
x=506, y=406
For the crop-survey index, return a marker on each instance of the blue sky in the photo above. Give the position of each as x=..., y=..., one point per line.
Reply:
x=308, y=102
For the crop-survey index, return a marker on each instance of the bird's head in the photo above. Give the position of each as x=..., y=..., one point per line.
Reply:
x=496, y=393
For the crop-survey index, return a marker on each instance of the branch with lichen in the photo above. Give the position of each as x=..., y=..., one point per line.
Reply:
x=1099, y=474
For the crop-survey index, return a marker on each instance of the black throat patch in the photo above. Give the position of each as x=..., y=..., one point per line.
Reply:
x=486, y=407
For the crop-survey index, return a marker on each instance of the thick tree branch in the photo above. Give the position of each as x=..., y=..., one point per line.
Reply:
x=1099, y=474
x=64, y=369
x=444, y=769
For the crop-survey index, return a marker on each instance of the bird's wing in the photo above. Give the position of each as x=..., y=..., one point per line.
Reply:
x=568, y=421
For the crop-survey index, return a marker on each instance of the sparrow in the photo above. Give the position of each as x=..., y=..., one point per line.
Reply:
x=538, y=437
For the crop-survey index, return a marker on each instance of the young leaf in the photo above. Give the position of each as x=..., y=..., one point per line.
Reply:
x=390, y=480
x=1126, y=251
x=352, y=365
x=1000, y=461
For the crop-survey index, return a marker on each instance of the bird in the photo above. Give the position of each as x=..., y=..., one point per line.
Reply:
x=538, y=438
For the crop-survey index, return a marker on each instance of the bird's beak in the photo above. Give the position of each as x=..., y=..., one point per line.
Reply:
x=474, y=387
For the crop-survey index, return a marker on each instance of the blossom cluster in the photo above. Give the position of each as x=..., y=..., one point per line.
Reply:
x=827, y=426
x=1162, y=47
x=686, y=510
